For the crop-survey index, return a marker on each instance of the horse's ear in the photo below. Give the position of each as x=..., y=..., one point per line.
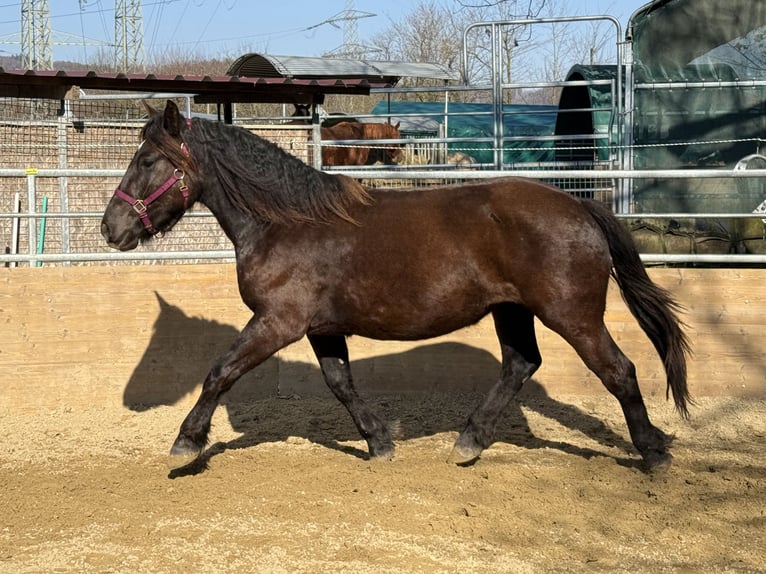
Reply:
x=396, y=127
x=172, y=120
x=149, y=109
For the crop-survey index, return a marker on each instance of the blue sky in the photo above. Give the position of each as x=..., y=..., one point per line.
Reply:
x=228, y=28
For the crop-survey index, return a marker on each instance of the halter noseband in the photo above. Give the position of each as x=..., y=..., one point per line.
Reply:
x=140, y=206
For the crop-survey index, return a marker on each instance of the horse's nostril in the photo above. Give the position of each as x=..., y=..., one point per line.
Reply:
x=105, y=230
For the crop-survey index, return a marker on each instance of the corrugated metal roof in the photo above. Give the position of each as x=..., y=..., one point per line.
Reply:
x=268, y=65
x=55, y=83
x=252, y=78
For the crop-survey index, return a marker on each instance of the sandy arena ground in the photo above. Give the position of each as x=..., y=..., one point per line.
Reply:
x=288, y=488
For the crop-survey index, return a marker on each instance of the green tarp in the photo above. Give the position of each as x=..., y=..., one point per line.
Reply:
x=469, y=120
x=690, y=125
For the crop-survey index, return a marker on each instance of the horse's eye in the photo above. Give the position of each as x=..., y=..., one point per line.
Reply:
x=147, y=162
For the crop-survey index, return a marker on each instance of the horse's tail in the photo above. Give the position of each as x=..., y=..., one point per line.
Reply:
x=652, y=306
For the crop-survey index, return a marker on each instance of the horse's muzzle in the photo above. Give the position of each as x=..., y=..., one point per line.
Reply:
x=125, y=243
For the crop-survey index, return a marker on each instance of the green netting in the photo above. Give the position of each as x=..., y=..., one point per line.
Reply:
x=469, y=120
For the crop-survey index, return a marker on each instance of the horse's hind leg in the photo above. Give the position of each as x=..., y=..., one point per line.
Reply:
x=332, y=353
x=515, y=329
x=597, y=349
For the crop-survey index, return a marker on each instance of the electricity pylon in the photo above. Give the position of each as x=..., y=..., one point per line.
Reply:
x=36, y=50
x=128, y=35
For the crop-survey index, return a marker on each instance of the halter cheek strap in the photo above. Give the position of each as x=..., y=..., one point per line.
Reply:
x=140, y=205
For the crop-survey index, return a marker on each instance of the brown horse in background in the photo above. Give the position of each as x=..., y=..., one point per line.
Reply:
x=321, y=256
x=358, y=154
x=342, y=127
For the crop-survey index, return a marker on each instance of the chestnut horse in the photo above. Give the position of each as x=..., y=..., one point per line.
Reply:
x=337, y=128
x=321, y=256
x=360, y=154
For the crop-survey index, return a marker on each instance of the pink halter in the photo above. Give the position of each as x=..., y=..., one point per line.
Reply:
x=140, y=205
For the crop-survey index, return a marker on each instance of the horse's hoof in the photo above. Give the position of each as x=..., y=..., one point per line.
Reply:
x=658, y=462
x=464, y=456
x=183, y=454
x=382, y=453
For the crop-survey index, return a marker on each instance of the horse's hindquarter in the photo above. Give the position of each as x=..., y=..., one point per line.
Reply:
x=425, y=263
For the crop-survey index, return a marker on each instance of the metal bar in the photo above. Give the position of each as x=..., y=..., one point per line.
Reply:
x=31, y=204
x=701, y=258
x=226, y=254
x=683, y=215
x=569, y=173
x=497, y=97
x=63, y=162
x=478, y=88
x=45, y=172
x=15, y=226
x=702, y=84
x=133, y=96
x=413, y=174
x=229, y=256
x=526, y=21
x=80, y=214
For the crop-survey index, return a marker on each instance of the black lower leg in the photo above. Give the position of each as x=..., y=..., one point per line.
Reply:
x=257, y=341
x=332, y=353
x=521, y=358
x=192, y=437
x=650, y=441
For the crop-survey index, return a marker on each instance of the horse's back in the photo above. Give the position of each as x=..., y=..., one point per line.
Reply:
x=480, y=244
x=509, y=205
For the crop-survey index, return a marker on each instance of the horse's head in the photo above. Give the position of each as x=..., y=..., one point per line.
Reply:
x=158, y=186
x=387, y=153
x=302, y=110
x=396, y=152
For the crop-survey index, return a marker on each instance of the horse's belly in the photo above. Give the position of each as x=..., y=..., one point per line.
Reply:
x=401, y=319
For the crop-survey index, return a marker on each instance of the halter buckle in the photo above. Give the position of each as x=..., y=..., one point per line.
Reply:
x=139, y=206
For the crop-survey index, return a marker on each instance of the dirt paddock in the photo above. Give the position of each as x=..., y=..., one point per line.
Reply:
x=101, y=365
x=288, y=488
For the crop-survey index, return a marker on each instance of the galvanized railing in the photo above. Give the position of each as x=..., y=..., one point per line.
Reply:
x=24, y=225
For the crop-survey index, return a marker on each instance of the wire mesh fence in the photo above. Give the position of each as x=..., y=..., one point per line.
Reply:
x=62, y=160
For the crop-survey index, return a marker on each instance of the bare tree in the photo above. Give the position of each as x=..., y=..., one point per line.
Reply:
x=427, y=34
x=527, y=52
x=432, y=32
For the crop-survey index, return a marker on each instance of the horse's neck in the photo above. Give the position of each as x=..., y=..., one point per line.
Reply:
x=235, y=224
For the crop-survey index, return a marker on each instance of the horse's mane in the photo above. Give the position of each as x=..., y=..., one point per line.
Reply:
x=260, y=178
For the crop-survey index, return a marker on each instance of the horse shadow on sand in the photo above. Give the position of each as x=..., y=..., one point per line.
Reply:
x=183, y=348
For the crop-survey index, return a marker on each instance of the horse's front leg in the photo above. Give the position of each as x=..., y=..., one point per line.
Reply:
x=257, y=342
x=332, y=353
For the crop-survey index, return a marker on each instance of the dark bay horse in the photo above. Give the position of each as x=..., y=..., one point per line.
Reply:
x=321, y=256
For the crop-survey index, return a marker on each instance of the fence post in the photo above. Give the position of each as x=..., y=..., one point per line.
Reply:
x=316, y=137
x=32, y=208
x=65, y=115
